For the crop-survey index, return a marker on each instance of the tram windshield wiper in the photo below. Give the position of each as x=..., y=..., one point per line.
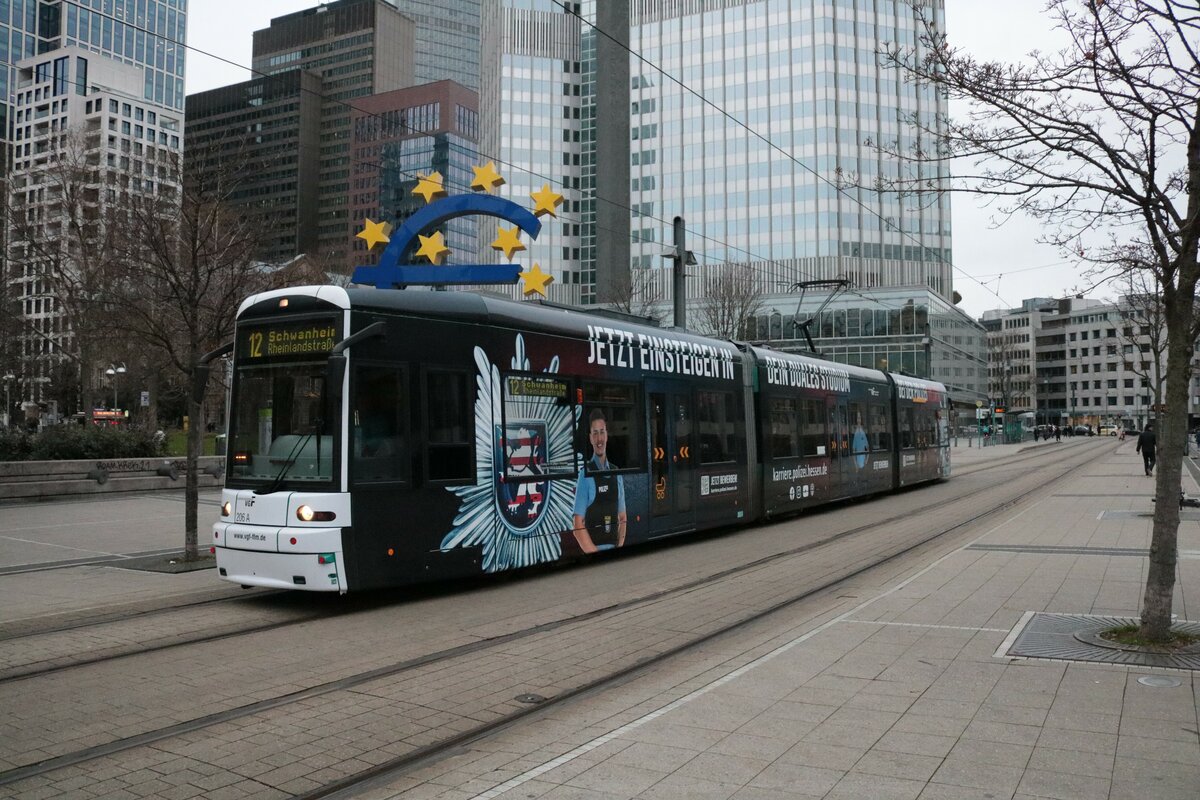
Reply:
x=288, y=463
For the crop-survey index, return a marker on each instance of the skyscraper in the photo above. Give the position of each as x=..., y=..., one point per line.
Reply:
x=554, y=110
x=272, y=126
x=146, y=34
x=758, y=122
x=360, y=48
x=755, y=120
x=84, y=139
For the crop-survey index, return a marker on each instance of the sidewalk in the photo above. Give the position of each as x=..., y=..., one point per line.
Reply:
x=904, y=689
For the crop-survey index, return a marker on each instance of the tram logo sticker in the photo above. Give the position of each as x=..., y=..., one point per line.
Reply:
x=523, y=434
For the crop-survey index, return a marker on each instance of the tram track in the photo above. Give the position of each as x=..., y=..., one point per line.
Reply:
x=72, y=658
x=433, y=660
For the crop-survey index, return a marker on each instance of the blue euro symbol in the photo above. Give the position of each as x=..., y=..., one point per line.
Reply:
x=390, y=273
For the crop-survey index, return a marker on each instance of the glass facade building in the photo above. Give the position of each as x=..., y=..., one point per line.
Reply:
x=757, y=121
x=148, y=34
x=767, y=112
x=912, y=330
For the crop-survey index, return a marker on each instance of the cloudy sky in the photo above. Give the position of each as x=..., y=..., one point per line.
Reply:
x=994, y=266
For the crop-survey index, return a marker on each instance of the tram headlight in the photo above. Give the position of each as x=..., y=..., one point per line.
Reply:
x=305, y=513
x=226, y=508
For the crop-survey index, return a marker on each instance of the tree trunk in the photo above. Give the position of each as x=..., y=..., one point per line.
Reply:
x=195, y=439
x=1172, y=447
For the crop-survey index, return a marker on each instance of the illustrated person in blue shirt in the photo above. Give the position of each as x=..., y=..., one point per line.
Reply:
x=858, y=443
x=599, y=513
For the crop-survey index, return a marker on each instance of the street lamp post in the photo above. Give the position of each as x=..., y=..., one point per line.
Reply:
x=113, y=372
x=8, y=379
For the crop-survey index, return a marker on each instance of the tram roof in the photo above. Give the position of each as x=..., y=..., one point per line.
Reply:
x=541, y=317
x=491, y=310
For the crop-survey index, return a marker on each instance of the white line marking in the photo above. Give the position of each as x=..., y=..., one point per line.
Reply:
x=922, y=625
x=587, y=747
x=62, y=546
x=1013, y=634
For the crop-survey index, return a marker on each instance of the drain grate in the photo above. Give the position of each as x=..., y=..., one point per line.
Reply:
x=1076, y=637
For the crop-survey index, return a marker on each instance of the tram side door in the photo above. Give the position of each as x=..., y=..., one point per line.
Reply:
x=672, y=463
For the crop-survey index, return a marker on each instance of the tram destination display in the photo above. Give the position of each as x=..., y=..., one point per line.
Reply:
x=291, y=339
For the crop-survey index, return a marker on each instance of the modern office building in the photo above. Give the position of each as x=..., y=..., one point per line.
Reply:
x=1081, y=362
x=148, y=34
x=399, y=135
x=83, y=136
x=906, y=329
x=757, y=121
x=268, y=130
x=554, y=110
x=447, y=40
x=359, y=48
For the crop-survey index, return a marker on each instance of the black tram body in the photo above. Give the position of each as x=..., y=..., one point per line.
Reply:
x=382, y=438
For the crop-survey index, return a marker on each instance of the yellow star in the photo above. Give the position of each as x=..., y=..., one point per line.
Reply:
x=507, y=241
x=536, y=281
x=433, y=247
x=547, y=201
x=374, y=233
x=486, y=178
x=430, y=186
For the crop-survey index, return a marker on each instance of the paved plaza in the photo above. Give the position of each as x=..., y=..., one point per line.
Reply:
x=899, y=684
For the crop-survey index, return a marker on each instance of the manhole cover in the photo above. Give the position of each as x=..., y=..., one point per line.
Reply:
x=1076, y=637
x=530, y=699
x=1159, y=682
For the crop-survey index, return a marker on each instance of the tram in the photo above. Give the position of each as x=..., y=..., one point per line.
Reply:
x=381, y=438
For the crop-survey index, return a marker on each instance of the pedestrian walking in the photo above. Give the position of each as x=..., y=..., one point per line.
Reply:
x=1145, y=445
x=1057, y=434
x=1036, y=433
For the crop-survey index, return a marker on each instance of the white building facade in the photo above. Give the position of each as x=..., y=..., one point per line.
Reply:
x=80, y=113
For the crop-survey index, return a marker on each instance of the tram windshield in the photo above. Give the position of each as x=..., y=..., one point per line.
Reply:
x=278, y=433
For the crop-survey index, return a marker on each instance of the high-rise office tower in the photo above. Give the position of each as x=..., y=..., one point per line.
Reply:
x=756, y=119
x=359, y=48
x=400, y=135
x=447, y=40
x=146, y=34
x=271, y=128
x=748, y=118
x=554, y=110
x=84, y=139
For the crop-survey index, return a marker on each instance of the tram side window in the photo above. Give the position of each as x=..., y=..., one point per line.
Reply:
x=617, y=404
x=718, y=422
x=879, y=430
x=783, y=428
x=379, y=412
x=812, y=428
x=449, y=430
x=539, y=422
x=907, y=439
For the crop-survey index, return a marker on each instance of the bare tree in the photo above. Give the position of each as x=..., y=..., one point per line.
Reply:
x=1143, y=333
x=639, y=294
x=730, y=299
x=188, y=264
x=62, y=239
x=1099, y=140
